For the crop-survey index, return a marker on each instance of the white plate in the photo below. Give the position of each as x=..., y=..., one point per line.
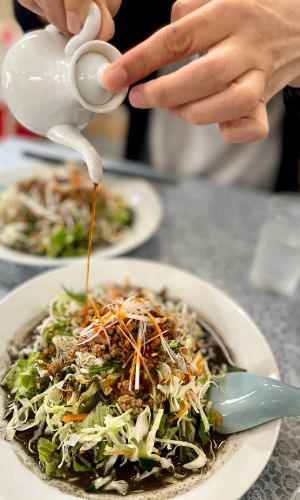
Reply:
x=140, y=196
x=244, y=456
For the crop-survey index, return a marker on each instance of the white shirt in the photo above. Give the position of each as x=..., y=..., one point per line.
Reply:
x=184, y=148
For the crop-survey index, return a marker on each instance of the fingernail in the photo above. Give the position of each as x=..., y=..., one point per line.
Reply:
x=136, y=99
x=73, y=22
x=115, y=79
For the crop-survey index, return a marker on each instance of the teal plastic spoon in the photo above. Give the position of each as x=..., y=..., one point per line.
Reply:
x=245, y=400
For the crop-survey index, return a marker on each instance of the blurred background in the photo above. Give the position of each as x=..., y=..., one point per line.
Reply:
x=168, y=144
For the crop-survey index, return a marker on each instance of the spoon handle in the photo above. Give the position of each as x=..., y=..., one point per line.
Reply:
x=246, y=400
x=289, y=400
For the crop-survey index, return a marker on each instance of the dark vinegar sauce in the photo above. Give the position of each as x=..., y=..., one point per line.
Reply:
x=128, y=471
x=90, y=243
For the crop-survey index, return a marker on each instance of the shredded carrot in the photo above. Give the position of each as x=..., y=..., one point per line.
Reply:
x=180, y=414
x=198, y=358
x=117, y=312
x=139, y=300
x=156, y=309
x=139, y=353
x=189, y=375
x=97, y=312
x=218, y=419
x=74, y=418
x=127, y=330
x=110, y=453
x=155, y=324
x=130, y=339
x=153, y=338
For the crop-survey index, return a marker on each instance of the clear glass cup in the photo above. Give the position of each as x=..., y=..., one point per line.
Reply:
x=276, y=265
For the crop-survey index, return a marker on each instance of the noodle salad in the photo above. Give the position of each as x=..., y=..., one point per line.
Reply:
x=49, y=214
x=120, y=380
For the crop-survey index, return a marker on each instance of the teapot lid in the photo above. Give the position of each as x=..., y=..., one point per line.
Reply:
x=88, y=65
x=89, y=71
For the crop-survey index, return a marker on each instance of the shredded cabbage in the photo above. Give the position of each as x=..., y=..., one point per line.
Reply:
x=129, y=385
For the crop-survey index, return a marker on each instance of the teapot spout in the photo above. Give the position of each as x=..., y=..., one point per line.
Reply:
x=70, y=136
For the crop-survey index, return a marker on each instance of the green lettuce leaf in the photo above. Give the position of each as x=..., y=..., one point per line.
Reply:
x=121, y=217
x=100, y=451
x=78, y=297
x=87, y=400
x=23, y=378
x=162, y=426
x=107, y=365
x=58, y=328
x=231, y=368
x=97, y=416
x=66, y=242
x=79, y=467
x=202, y=434
x=49, y=456
x=146, y=463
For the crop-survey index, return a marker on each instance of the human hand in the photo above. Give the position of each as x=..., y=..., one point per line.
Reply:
x=295, y=83
x=252, y=50
x=69, y=15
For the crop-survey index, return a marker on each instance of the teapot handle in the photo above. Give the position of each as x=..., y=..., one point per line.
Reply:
x=89, y=31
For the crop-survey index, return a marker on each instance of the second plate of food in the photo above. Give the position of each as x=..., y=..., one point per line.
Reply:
x=45, y=215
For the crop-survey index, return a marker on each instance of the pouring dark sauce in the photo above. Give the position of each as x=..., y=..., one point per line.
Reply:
x=90, y=243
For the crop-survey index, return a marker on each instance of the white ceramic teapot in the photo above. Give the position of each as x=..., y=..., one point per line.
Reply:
x=53, y=85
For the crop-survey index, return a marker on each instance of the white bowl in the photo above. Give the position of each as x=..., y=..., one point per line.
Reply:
x=140, y=196
x=244, y=456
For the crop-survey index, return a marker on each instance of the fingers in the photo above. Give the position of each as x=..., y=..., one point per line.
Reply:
x=54, y=12
x=192, y=34
x=240, y=99
x=76, y=13
x=113, y=6
x=69, y=15
x=183, y=7
x=248, y=129
x=107, y=24
x=32, y=5
x=207, y=75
